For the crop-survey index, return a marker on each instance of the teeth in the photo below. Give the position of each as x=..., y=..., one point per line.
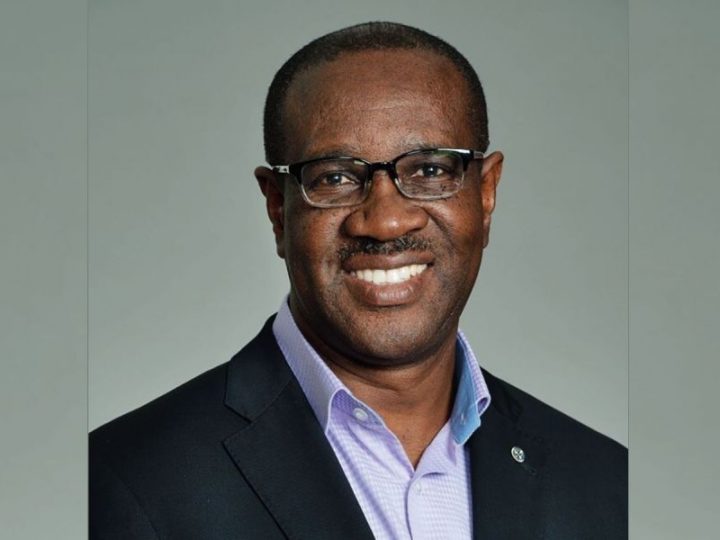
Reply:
x=393, y=275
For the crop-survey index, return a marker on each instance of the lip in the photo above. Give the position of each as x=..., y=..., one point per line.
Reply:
x=388, y=294
x=362, y=261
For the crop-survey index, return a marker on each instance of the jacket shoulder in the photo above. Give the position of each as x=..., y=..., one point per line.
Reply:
x=163, y=471
x=198, y=404
x=585, y=473
x=535, y=415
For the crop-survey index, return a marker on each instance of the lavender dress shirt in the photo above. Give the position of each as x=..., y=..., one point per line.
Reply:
x=432, y=501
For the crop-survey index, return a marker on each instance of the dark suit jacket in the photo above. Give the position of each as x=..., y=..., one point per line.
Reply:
x=237, y=453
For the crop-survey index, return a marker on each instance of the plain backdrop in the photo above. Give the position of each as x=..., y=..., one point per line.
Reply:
x=182, y=268
x=43, y=270
x=674, y=259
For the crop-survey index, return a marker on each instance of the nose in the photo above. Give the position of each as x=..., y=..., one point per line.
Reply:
x=386, y=214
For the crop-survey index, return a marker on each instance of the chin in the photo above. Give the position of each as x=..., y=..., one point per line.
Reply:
x=392, y=345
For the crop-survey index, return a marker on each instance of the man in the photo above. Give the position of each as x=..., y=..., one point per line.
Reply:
x=359, y=411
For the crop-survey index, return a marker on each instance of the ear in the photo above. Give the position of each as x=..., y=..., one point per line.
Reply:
x=491, y=171
x=275, y=205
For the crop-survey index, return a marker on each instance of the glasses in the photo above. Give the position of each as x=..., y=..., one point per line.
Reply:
x=425, y=174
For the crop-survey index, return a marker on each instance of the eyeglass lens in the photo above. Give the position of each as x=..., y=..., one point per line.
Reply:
x=421, y=175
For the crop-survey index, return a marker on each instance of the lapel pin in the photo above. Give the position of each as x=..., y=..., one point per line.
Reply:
x=518, y=454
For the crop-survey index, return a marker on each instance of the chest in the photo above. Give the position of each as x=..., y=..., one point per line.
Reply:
x=399, y=501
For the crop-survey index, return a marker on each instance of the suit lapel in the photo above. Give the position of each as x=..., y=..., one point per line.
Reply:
x=508, y=495
x=283, y=453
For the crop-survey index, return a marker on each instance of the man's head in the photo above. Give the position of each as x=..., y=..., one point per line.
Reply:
x=374, y=92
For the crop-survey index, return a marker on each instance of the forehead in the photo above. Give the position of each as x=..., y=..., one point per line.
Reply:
x=377, y=102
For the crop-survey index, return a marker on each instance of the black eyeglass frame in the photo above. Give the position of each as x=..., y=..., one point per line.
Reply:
x=295, y=170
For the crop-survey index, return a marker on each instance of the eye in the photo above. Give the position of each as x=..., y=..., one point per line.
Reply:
x=334, y=179
x=339, y=179
x=430, y=170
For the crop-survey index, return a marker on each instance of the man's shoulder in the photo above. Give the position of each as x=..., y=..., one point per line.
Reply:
x=165, y=469
x=197, y=406
x=576, y=476
x=554, y=426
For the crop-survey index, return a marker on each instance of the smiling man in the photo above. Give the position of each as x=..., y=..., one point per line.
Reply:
x=360, y=411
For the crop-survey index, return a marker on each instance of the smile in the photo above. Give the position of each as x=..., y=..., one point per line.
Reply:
x=379, y=276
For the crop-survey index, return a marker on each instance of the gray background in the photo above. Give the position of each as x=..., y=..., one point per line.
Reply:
x=674, y=269
x=182, y=269
x=673, y=266
x=43, y=278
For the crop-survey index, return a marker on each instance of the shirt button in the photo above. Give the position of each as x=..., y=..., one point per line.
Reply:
x=360, y=414
x=418, y=487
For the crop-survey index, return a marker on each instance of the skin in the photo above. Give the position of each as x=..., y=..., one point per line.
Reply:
x=392, y=345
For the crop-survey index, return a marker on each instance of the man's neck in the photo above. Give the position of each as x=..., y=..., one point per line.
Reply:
x=414, y=400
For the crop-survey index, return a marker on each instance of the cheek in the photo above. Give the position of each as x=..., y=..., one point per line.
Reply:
x=461, y=223
x=311, y=242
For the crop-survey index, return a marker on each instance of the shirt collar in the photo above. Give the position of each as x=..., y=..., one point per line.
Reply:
x=472, y=396
x=321, y=385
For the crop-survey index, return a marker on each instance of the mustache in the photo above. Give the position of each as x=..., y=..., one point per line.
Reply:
x=369, y=246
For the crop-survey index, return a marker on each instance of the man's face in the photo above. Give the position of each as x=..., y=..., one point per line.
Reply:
x=376, y=105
